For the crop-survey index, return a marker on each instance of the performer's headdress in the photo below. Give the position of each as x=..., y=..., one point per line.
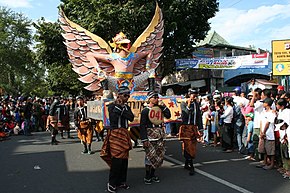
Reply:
x=80, y=98
x=120, y=41
x=151, y=94
x=123, y=90
x=192, y=91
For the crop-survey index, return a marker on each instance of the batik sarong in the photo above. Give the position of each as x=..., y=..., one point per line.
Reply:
x=85, y=132
x=116, y=144
x=188, y=134
x=155, y=151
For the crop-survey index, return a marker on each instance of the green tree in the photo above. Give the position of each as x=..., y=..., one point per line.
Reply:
x=51, y=53
x=16, y=58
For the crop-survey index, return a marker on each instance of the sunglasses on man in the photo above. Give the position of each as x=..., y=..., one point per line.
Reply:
x=126, y=95
x=156, y=97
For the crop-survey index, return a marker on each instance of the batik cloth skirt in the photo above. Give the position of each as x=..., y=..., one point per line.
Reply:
x=85, y=132
x=188, y=134
x=117, y=144
x=155, y=152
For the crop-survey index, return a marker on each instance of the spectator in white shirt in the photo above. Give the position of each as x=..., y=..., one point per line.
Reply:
x=228, y=131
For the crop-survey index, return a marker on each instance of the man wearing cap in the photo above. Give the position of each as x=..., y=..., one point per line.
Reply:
x=83, y=125
x=117, y=144
x=152, y=135
x=188, y=131
x=267, y=137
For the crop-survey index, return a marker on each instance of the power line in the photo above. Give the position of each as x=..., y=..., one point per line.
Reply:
x=234, y=4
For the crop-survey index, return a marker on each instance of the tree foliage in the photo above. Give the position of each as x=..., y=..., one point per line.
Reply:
x=51, y=52
x=16, y=57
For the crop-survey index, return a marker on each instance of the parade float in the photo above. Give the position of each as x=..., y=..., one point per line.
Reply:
x=107, y=66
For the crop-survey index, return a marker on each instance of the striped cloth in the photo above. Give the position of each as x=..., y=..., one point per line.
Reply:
x=116, y=144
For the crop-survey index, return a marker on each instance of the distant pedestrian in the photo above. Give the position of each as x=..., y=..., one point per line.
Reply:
x=83, y=125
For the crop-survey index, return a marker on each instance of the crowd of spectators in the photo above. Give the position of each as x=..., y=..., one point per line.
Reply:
x=255, y=124
x=23, y=115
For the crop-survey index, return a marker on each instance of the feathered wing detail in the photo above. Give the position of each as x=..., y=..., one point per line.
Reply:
x=79, y=42
x=150, y=40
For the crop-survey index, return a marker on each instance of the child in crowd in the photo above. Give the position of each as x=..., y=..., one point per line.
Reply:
x=249, y=136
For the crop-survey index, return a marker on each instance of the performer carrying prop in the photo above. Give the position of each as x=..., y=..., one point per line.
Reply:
x=152, y=135
x=95, y=62
x=116, y=146
x=188, y=131
x=83, y=124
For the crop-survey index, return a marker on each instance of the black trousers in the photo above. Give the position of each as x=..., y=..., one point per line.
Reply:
x=227, y=137
x=118, y=171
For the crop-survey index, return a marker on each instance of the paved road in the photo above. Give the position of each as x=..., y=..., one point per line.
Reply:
x=32, y=165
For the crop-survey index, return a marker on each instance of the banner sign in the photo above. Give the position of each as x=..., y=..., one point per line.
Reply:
x=281, y=57
x=95, y=110
x=137, y=102
x=253, y=61
x=183, y=64
x=235, y=62
x=203, y=53
x=217, y=63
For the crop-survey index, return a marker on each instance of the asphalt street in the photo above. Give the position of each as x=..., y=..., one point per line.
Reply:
x=29, y=164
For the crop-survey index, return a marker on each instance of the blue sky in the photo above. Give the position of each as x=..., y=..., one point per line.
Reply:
x=240, y=22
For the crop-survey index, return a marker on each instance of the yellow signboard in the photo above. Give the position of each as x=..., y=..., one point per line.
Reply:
x=281, y=50
x=281, y=57
x=281, y=68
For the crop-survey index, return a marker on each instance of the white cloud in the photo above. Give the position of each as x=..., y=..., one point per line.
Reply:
x=16, y=3
x=253, y=27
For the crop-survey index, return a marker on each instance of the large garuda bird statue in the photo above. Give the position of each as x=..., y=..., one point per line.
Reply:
x=108, y=68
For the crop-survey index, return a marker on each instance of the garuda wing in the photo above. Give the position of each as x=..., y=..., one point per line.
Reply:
x=150, y=40
x=79, y=42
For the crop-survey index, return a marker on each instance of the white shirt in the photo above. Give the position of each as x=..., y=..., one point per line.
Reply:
x=258, y=109
x=285, y=116
x=268, y=117
x=228, y=114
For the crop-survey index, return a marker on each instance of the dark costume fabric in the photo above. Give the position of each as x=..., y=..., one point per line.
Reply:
x=52, y=127
x=85, y=130
x=188, y=131
x=115, y=150
x=63, y=117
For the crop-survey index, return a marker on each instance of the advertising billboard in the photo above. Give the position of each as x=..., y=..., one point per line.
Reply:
x=281, y=57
